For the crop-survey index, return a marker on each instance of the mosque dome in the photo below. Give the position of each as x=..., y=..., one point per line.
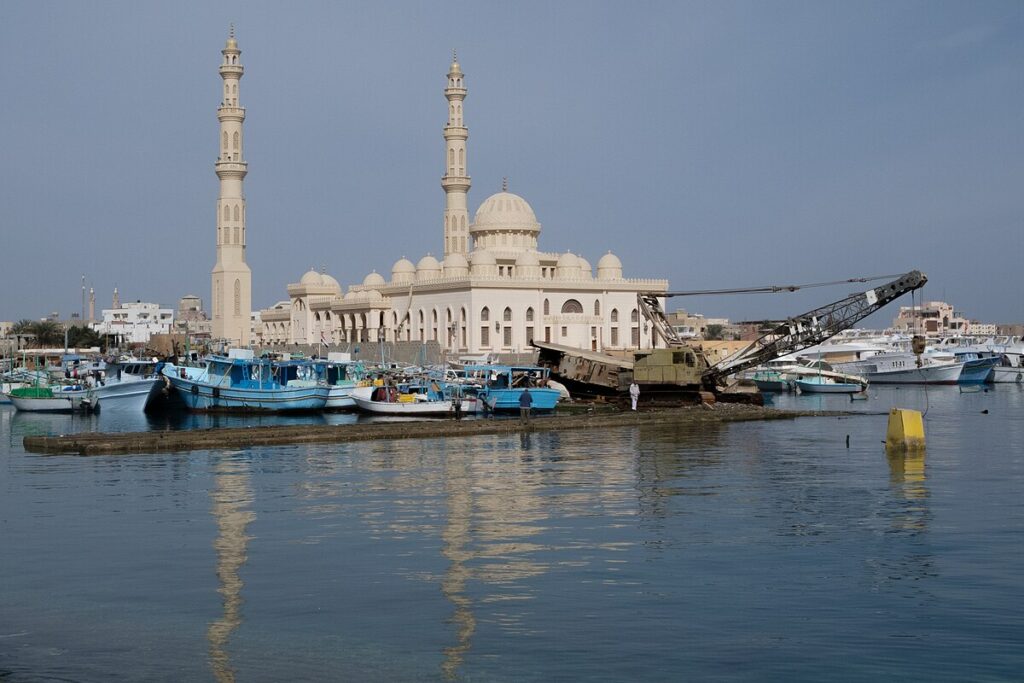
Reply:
x=609, y=267
x=311, y=278
x=455, y=265
x=372, y=295
x=568, y=267
x=504, y=211
x=527, y=258
x=329, y=281
x=586, y=272
x=350, y=295
x=374, y=279
x=428, y=268
x=482, y=262
x=403, y=270
x=528, y=265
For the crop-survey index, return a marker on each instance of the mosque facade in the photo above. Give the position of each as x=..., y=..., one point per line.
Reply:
x=494, y=291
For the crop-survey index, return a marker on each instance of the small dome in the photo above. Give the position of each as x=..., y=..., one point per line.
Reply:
x=403, y=265
x=568, y=260
x=311, y=278
x=609, y=260
x=329, y=281
x=505, y=211
x=374, y=279
x=428, y=262
x=482, y=257
x=456, y=265
x=585, y=270
x=373, y=295
x=455, y=260
x=609, y=267
x=350, y=295
x=527, y=258
x=403, y=271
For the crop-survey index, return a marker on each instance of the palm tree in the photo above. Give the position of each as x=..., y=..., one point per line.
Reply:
x=47, y=333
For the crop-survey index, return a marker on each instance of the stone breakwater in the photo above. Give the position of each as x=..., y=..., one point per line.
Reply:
x=243, y=437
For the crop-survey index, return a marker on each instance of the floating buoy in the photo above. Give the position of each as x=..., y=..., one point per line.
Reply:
x=906, y=429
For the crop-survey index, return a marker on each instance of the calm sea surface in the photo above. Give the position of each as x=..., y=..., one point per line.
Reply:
x=745, y=552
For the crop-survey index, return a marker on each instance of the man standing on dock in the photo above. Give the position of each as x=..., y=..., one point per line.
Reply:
x=634, y=393
x=525, y=402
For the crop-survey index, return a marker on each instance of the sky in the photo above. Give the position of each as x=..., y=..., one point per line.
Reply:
x=713, y=144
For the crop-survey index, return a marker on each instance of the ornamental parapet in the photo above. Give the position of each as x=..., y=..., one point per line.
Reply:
x=231, y=69
x=455, y=182
x=226, y=113
x=456, y=133
x=503, y=281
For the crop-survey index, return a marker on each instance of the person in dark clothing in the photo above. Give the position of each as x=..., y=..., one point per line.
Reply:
x=525, y=402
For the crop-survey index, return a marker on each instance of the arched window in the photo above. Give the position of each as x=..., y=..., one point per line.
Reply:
x=485, y=314
x=597, y=307
x=572, y=306
x=225, y=141
x=507, y=315
x=238, y=297
x=547, y=307
x=462, y=157
x=451, y=158
x=235, y=140
x=421, y=316
x=227, y=213
x=237, y=239
x=615, y=315
x=634, y=317
x=529, y=315
x=238, y=213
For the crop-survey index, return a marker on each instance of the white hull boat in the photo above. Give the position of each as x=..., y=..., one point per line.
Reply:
x=54, y=400
x=827, y=385
x=378, y=401
x=128, y=394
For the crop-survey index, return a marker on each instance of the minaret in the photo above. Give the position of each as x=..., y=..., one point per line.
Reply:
x=92, y=305
x=117, y=300
x=231, y=277
x=455, y=181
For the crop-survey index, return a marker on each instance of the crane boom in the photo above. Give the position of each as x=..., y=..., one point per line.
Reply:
x=811, y=328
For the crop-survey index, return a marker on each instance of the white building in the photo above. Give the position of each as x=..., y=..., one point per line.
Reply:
x=135, y=322
x=494, y=291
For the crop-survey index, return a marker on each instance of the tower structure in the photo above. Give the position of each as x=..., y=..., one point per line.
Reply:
x=231, y=277
x=455, y=181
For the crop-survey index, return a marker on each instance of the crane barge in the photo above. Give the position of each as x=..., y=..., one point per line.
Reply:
x=680, y=371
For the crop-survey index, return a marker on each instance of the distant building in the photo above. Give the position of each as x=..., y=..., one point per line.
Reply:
x=934, y=318
x=134, y=323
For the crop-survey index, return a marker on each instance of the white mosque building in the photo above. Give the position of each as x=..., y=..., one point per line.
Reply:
x=494, y=291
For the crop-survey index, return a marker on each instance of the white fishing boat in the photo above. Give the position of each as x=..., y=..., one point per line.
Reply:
x=415, y=400
x=906, y=368
x=70, y=398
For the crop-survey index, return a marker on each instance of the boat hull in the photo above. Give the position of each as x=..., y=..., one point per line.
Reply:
x=977, y=371
x=362, y=398
x=1007, y=375
x=128, y=395
x=203, y=397
x=928, y=374
x=811, y=387
x=60, y=402
x=500, y=400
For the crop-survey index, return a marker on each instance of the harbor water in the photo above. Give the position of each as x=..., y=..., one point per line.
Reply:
x=780, y=550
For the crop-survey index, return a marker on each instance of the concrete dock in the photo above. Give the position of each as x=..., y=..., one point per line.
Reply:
x=244, y=437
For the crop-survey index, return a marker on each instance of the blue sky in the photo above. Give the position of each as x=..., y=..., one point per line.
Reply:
x=715, y=144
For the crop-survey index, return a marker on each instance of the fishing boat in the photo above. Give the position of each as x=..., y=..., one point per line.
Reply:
x=423, y=399
x=55, y=398
x=502, y=385
x=771, y=381
x=905, y=368
x=337, y=372
x=818, y=384
x=239, y=382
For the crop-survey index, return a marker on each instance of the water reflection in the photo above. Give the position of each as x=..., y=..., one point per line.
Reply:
x=907, y=477
x=232, y=497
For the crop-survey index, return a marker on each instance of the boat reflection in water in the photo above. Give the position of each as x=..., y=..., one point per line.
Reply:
x=231, y=500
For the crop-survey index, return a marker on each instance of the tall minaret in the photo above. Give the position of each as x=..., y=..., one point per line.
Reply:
x=455, y=181
x=92, y=305
x=231, y=277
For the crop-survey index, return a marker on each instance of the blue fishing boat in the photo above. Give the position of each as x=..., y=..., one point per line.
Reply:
x=504, y=384
x=240, y=383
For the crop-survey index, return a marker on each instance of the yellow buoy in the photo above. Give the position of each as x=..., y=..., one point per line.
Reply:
x=906, y=429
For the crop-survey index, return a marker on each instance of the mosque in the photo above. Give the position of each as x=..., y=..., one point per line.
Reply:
x=494, y=291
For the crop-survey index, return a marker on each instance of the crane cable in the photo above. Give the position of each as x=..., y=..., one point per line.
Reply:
x=774, y=289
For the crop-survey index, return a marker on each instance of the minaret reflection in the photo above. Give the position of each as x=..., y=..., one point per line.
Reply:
x=457, y=538
x=231, y=500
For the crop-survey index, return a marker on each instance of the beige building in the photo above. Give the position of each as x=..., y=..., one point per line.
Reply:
x=494, y=291
x=231, y=279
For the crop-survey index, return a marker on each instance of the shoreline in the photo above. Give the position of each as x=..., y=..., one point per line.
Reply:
x=124, y=443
